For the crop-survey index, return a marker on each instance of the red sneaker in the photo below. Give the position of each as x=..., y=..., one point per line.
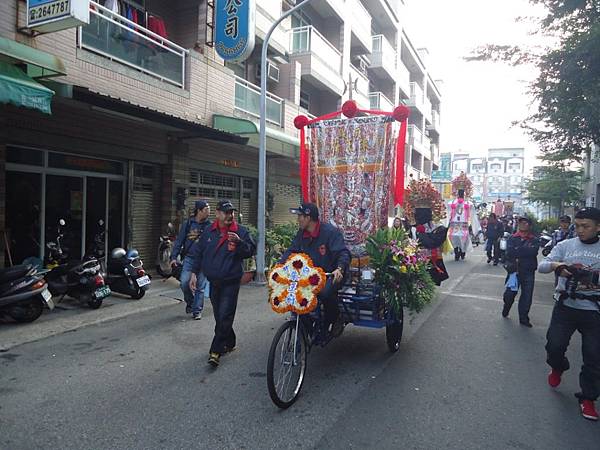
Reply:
x=554, y=378
x=588, y=410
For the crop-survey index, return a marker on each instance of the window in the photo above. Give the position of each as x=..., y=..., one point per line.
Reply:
x=496, y=166
x=300, y=19
x=304, y=100
x=514, y=166
x=477, y=167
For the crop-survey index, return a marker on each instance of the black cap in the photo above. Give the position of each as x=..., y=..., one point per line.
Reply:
x=200, y=204
x=565, y=219
x=225, y=206
x=306, y=209
x=525, y=219
x=589, y=213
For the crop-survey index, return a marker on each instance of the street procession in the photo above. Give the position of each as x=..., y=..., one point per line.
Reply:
x=241, y=225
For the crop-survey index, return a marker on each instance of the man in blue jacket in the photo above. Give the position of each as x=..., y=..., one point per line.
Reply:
x=190, y=232
x=219, y=254
x=325, y=245
x=521, y=258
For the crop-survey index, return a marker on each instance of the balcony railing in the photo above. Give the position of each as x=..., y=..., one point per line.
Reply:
x=435, y=119
x=308, y=39
x=247, y=99
x=380, y=102
x=415, y=136
x=384, y=54
x=117, y=38
x=416, y=93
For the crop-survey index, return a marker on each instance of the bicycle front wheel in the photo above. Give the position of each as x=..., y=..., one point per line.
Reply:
x=287, y=364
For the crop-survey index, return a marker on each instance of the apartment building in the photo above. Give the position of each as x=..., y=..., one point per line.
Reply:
x=146, y=118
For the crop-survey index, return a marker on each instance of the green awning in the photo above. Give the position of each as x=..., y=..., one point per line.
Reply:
x=278, y=142
x=39, y=64
x=20, y=90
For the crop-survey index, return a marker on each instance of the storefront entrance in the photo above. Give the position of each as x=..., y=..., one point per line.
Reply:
x=43, y=187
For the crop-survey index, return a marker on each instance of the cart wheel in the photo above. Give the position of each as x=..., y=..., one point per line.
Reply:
x=393, y=332
x=285, y=371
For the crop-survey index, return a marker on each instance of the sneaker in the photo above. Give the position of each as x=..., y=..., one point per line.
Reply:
x=505, y=310
x=588, y=410
x=554, y=378
x=489, y=260
x=230, y=349
x=213, y=359
x=188, y=309
x=495, y=263
x=526, y=323
x=197, y=316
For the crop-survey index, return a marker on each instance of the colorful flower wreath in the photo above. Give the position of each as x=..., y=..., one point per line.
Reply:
x=423, y=194
x=462, y=182
x=294, y=285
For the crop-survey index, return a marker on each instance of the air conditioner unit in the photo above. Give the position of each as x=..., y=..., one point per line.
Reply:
x=272, y=72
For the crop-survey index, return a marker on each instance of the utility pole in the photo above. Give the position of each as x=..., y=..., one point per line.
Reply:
x=262, y=149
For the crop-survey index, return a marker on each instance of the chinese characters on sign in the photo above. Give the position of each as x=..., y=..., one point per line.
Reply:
x=234, y=29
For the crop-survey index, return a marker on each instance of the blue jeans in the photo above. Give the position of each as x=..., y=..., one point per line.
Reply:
x=193, y=299
x=526, y=285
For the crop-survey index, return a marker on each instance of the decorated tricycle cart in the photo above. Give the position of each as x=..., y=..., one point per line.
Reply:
x=351, y=168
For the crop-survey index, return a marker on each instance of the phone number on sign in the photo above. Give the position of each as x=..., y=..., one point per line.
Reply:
x=49, y=10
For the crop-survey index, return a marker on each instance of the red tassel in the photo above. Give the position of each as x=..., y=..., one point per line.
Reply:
x=303, y=164
x=399, y=178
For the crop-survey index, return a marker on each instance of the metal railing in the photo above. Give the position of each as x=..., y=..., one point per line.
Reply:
x=308, y=39
x=416, y=93
x=415, y=136
x=247, y=99
x=117, y=38
x=384, y=54
x=379, y=101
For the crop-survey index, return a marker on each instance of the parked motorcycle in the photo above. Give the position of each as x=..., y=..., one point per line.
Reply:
x=23, y=293
x=165, y=248
x=81, y=280
x=124, y=271
x=546, y=243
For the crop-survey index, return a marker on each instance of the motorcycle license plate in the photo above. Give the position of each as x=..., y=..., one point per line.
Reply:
x=102, y=292
x=143, y=281
x=47, y=296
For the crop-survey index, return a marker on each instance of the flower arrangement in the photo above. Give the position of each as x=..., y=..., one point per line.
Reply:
x=401, y=269
x=462, y=182
x=423, y=194
x=295, y=284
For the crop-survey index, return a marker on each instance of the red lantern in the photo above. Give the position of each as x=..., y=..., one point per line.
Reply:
x=300, y=122
x=401, y=113
x=350, y=108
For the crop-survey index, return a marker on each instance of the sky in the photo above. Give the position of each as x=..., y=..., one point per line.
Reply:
x=480, y=100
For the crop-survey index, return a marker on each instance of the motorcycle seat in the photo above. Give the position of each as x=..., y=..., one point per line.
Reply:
x=13, y=273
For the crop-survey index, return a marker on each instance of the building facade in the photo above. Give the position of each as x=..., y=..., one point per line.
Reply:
x=146, y=118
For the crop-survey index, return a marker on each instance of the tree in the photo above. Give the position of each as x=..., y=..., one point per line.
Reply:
x=567, y=89
x=555, y=186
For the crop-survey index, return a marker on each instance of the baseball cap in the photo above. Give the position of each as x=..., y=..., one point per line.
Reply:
x=200, y=204
x=306, y=209
x=225, y=206
x=565, y=219
x=589, y=213
x=525, y=219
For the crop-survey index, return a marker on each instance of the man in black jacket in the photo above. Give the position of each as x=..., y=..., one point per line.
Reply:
x=219, y=254
x=521, y=258
x=325, y=245
x=495, y=230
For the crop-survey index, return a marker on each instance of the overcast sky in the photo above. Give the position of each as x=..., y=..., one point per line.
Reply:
x=479, y=99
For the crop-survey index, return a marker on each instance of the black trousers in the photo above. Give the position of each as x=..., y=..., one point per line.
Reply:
x=565, y=321
x=329, y=299
x=526, y=285
x=224, y=297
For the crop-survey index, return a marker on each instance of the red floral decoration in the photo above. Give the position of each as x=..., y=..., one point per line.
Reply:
x=349, y=108
x=462, y=182
x=423, y=194
x=298, y=264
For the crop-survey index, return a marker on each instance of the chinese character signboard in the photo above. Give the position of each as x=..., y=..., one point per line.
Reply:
x=55, y=15
x=234, y=28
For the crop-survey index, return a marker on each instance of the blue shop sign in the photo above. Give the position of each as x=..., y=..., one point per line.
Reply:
x=234, y=28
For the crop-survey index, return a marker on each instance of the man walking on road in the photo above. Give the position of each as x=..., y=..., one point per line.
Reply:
x=219, y=253
x=577, y=261
x=190, y=232
x=521, y=264
x=495, y=230
x=564, y=232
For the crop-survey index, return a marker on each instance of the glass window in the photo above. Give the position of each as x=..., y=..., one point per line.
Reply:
x=304, y=100
x=75, y=162
x=24, y=156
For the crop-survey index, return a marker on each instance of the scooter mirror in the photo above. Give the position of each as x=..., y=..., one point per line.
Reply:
x=62, y=222
x=101, y=222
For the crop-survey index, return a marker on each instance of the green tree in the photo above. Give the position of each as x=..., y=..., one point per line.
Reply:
x=567, y=89
x=555, y=186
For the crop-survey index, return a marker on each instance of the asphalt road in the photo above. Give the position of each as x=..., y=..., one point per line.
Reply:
x=464, y=378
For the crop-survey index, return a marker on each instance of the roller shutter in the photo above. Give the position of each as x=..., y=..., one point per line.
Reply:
x=145, y=211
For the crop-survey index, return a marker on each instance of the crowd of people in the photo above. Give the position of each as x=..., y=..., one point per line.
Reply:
x=212, y=254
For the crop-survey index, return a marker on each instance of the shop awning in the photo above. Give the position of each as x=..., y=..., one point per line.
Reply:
x=278, y=142
x=39, y=64
x=20, y=90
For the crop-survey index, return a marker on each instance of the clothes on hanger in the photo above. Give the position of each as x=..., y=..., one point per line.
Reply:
x=113, y=5
x=157, y=25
